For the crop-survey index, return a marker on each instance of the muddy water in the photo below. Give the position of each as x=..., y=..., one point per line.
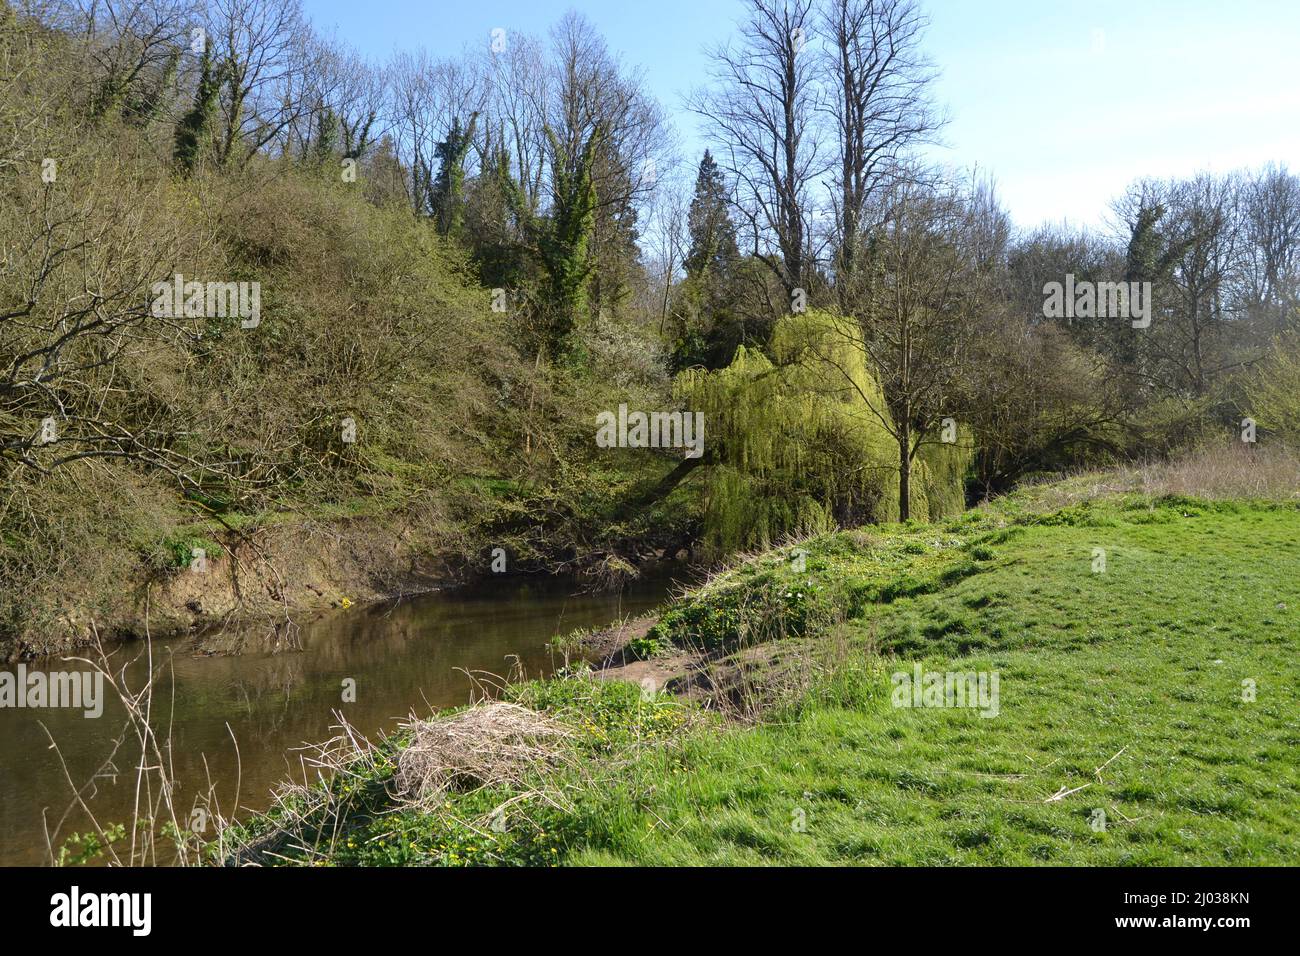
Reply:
x=412, y=655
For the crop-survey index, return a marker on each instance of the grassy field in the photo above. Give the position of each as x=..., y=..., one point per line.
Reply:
x=1145, y=650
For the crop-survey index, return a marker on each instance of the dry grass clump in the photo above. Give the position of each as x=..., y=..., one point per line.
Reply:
x=1227, y=471
x=1055, y=492
x=1217, y=472
x=491, y=744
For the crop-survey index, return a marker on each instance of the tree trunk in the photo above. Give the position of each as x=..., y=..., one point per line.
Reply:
x=659, y=490
x=904, y=473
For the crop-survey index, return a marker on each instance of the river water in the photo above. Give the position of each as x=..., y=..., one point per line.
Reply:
x=407, y=656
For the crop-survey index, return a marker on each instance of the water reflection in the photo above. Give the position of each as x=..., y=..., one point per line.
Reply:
x=402, y=657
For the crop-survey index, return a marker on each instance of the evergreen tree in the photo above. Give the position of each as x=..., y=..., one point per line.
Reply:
x=497, y=220
x=568, y=235
x=151, y=96
x=1146, y=244
x=713, y=235
x=449, y=185
x=327, y=135
x=194, y=129
x=711, y=329
x=615, y=254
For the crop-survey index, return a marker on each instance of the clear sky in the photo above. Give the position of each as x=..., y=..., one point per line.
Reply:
x=1064, y=102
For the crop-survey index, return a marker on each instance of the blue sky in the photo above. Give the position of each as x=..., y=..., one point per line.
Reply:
x=1063, y=103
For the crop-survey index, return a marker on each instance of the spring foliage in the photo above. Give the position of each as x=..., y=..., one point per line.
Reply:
x=800, y=445
x=1273, y=392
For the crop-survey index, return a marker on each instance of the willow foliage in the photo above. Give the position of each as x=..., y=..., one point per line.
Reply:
x=803, y=445
x=939, y=478
x=786, y=460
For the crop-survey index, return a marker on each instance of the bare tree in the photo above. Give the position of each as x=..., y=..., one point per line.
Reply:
x=591, y=90
x=669, y=238
x=1270, y=253
x=264, y=46
x=762, y=108
x=343, y=99
x=930, y=280
x=427, y=98
x=879, y=101
x=606, y=138
x=1201, y=233
x=131, y=41
x=520, y=91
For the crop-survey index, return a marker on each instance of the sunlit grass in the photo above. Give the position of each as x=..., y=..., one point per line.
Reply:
x=1125, y=733
x=1145, y=661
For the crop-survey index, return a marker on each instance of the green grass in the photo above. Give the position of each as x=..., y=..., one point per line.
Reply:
x=609, y=723
x=1138, y=671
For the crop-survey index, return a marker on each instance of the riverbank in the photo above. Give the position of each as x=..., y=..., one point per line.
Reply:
x=236, y=573
x=380, y=428
x=233, y=717
x=1129, y=655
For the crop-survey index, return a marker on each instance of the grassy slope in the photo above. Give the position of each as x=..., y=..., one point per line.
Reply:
x=1147, y=658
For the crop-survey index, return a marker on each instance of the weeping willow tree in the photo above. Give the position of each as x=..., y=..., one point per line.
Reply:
x=940, y=470
x=801, y=446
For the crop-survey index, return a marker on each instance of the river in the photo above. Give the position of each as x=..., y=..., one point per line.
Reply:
x=410, y=655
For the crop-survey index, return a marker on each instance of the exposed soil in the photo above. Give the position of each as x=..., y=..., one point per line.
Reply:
x=741, y=683
x=674, y=671
x=275, y=578
x=261, y=578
